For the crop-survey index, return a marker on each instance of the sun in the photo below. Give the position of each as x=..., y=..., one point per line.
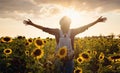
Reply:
x=72, y=13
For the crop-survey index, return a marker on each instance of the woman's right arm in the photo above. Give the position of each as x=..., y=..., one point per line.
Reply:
x=29, y=22
x=45, y=29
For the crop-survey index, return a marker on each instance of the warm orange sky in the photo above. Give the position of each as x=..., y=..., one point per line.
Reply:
x=49, y=12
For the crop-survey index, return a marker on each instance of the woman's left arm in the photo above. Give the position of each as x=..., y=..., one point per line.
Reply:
x=83, y=28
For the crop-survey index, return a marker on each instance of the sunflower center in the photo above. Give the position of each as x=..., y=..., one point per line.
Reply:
x=27, y=52
x=85, y=56
x=115, y=57
x=7, y=39
x=39, y=42
x=62, y=52
x=30, y=40
x=20, y=37
x=26, y=43
x=88, y=51
x=101, y=57
x=44, y=41
x=7, y=51
x=37, y=52
x=79, y=60
x=77, y=71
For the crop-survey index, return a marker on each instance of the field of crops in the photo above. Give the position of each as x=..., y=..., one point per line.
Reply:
x=96, y=54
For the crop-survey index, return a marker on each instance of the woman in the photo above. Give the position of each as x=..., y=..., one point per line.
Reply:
x=65, y=22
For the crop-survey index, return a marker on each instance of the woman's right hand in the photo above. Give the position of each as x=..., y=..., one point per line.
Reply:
x=28, y=22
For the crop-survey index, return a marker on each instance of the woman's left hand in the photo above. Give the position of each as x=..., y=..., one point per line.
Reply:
x=101, y=19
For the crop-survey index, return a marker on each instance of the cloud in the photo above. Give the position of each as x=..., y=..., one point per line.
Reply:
x=107, y=5
x=39, y=8
x=19, y=5
x=21, y=8
x=8, y=8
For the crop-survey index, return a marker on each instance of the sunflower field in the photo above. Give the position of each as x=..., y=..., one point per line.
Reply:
x=96, y=54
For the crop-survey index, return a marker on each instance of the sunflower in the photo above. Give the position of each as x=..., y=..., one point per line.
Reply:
x=7, y=51
x=118, y=60
x=101, y=56
x=37, y=53
x=94, y=52
x=114, y=58
x=30, y=40
x=20, y=37
x=109, y=66
x=80, y=60
x=111, y=59
x=27, y=43
x=78, y=70
x=39, y=43
x=45, y=41
x=85, y=56
x=62, y=52
x=27, y=52
x=88, y=51
x=6, y=39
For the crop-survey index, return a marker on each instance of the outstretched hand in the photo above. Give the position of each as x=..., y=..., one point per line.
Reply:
x=28, y=22
x=101, y=19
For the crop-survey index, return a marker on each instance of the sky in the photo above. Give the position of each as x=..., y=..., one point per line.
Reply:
x=47, y=13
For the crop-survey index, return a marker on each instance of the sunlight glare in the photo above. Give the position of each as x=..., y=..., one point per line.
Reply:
x=73, y=14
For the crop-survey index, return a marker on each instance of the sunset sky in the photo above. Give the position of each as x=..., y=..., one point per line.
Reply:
x=48, y=13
